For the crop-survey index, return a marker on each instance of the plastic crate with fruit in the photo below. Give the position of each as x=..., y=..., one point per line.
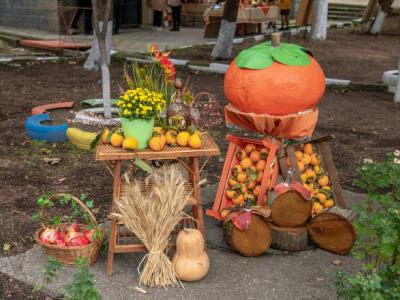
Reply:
x=250, y=170
x=314, y=167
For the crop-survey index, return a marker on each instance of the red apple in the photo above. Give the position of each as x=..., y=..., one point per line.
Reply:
x=73, y=238
x=60, y=242
x=49, y=235
x=72, y=227
x=85, y=240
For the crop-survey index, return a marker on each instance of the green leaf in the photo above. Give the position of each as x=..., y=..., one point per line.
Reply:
x=96, y=140
x=263, y=55
x=290, y=56
x=57, y=220
x=6, y=247
x=35, y=216
x=143, y=165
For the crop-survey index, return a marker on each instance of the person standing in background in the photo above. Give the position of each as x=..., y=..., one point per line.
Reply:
x=285, y=6
x=176, y=6
x=86, y=7
x=158, y=7
x=118, y=5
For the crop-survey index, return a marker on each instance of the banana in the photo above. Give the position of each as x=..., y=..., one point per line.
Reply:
x=80, y=138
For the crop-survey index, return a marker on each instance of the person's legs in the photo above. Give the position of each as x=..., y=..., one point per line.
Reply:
x=178, y=17
x=88, y=16
x=287, y=20
x=174, y=17
x=117, y=18
x=157, y=19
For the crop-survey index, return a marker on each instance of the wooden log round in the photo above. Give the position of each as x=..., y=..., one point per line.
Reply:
x=332, y=230
x=252, y=242
x=289, y=239
x=290, y=209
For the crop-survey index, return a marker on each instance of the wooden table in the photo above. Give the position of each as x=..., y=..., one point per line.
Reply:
x=115, y=156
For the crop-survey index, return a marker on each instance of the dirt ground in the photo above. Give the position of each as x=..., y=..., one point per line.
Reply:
x=358, y=57
x=363, y=122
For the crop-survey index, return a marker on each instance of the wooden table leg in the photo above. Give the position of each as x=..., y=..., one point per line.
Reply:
x=113, y=230
x=198, y=207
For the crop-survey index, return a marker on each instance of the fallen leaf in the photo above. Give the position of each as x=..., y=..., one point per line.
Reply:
x=320, y=278
x=46, y=151
x=6, y=247
x=62, y=179
x=52, y=160
x=336, y=262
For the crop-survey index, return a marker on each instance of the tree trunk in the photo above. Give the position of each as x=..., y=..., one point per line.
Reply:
x=385, y=6
x=92, y=62
x=320, y=24
x=397, y=91
x=289, y=239
x=223, y=46
x=101, y=51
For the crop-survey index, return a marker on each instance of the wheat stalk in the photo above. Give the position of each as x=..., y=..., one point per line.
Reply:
x=152, y=217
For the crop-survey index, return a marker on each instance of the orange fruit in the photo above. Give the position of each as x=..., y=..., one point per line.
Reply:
x=170, y=137
x=116, y=139
x=236, y=169
x=104, y=136
x=307, y=187
x=182, y=139
x=264, y=153
x=299, y=155
x=246, y=163
x=156, y=143
x=260, y=165
x=239, y=200
x=329, y=203
x=241, y=177
x=317, y=169
x=158, y=130
x=321, y=197
x=230, y=194
x=308, y=148
x=243, y=188
x=303, y=177
x=316, y=208
x=195, y=141
x=249, y=148
x=323, y=180
x=311, y=174
x=255, y=156
x=232, y=181
x=257, y=190
x=241, y=154
x=314, y=159
x=300, y=165
x=250, y=184
x=130, y=143
x=306, y=159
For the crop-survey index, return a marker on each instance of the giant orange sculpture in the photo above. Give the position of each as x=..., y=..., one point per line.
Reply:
x=274, y=85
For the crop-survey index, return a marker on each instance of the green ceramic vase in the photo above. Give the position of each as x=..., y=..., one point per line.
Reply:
x=140, y=129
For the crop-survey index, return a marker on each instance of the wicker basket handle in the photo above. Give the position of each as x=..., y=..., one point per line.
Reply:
x=81, y=204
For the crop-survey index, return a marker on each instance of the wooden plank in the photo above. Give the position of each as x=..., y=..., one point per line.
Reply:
x=130, y=248
x=327, y=156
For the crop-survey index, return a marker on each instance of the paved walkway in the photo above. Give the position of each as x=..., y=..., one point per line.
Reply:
x=276, y=275
x=128, y=41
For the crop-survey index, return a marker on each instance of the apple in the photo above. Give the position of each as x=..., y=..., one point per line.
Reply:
x=73, y=238
x=60, y=242
x=49, y=235
x=72, y=227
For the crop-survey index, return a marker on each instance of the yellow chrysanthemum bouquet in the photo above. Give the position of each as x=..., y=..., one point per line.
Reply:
x=141, y=103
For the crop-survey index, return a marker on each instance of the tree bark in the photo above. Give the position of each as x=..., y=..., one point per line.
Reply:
x=223, y=46
x=397, y=91
x=320, y=23
x=385, y=7
x=101, y=48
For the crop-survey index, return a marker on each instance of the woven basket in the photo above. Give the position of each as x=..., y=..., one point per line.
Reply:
x=68, y=254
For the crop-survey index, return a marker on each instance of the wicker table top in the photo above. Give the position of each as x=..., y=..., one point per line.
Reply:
x=108, y=152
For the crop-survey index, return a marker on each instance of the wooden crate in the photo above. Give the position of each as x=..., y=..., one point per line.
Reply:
x=269, y=176
x=322, y=148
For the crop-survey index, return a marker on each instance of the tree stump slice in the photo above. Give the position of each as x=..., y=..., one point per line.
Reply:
x=289, y=239
x=252, y=242
x=332, y=230
x=290, y=209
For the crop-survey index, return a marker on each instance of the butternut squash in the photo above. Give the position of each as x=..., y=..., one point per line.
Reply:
x=190, y=261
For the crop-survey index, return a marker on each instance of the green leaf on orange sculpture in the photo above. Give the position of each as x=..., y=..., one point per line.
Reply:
x=263, y=55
